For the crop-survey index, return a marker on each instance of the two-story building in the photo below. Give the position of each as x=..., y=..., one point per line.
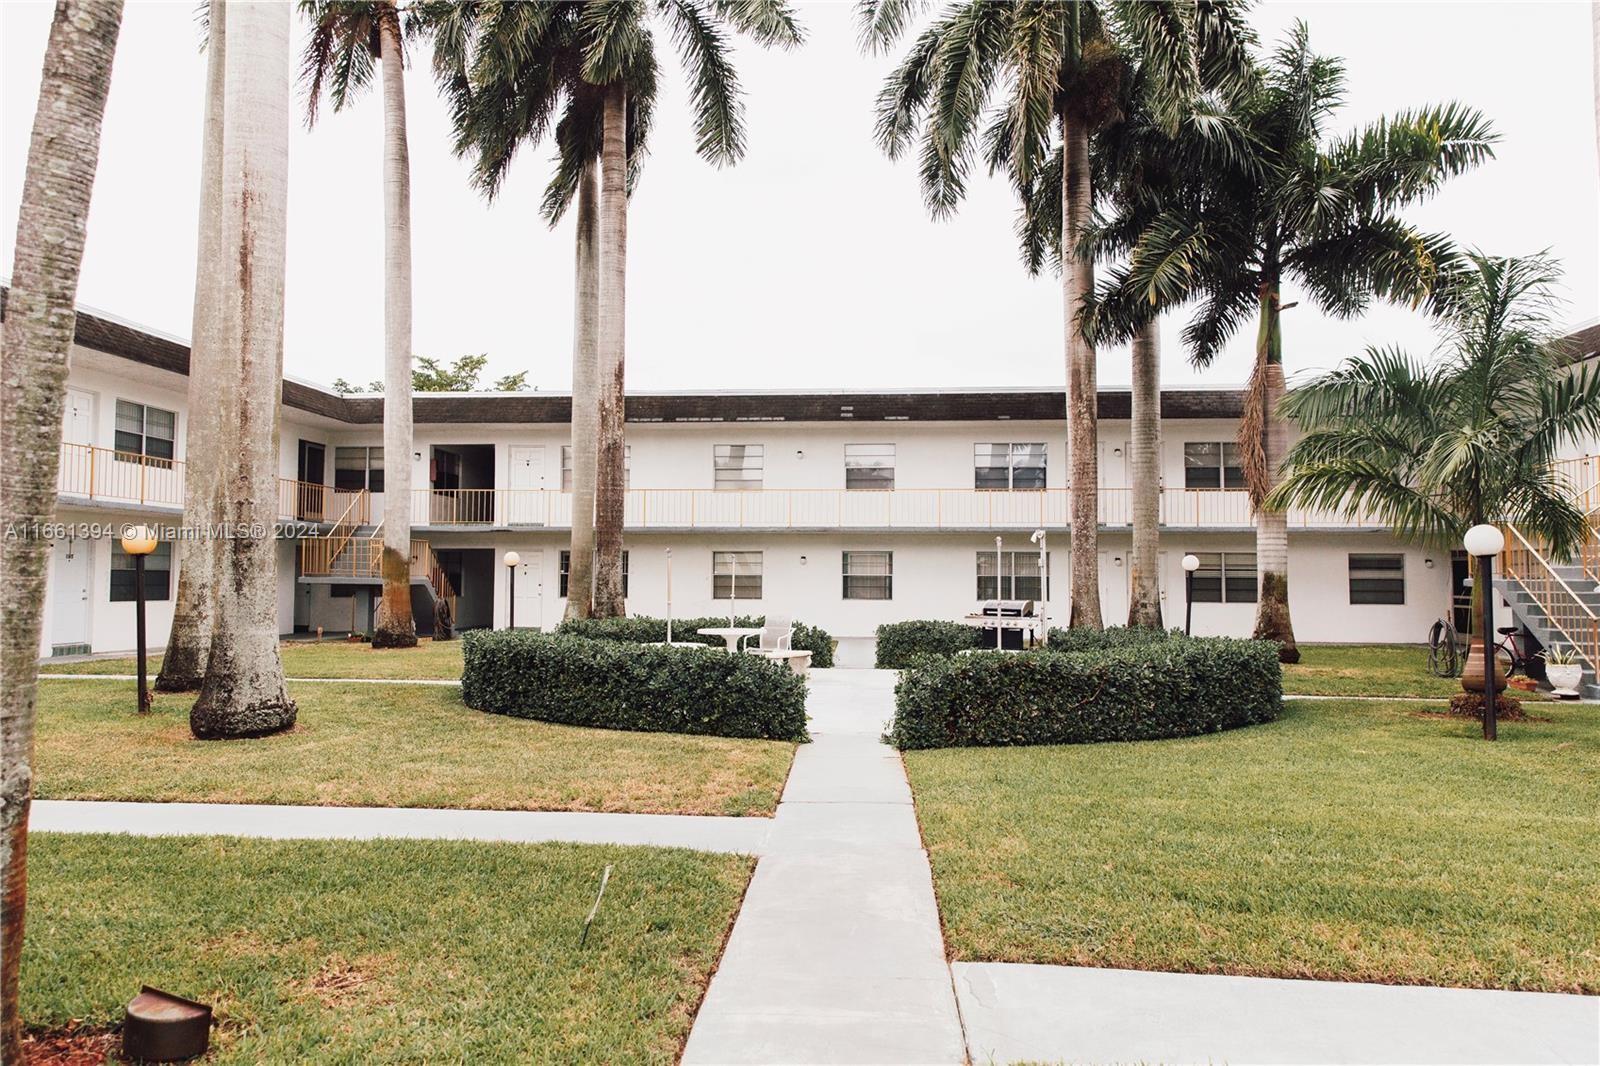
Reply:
x=844, y=509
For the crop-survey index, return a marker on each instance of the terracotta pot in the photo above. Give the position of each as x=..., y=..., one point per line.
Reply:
x=1472, y=673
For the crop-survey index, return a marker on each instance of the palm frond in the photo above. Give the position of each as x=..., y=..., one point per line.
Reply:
x=714, y=86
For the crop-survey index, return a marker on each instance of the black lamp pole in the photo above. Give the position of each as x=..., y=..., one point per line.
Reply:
x=1490, y=697
x=138, y=595
x=1188, y=600
x=511, y=602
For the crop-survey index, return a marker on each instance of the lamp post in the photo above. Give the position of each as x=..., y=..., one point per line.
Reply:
x=1191, y=563
x=669, y=597
x=139, y=541
x=511, y=560
x=1485, y=541
x=1044, y=589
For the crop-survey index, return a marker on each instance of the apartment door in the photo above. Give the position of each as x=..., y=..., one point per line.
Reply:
x=70, y=581
x=1114, y=587
x=526, y=506
x=77, y=420
x=310, y=471
x=529, y=598
x=1115, y=499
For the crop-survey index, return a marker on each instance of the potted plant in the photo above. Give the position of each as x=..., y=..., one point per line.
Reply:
x=1563, y=669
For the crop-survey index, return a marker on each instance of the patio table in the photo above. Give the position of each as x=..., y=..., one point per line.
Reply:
x=731, y=635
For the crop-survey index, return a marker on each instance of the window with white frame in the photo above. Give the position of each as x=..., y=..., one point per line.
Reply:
x=157, y=574
x=1008, y=466
x=736, y=575
x=566, y=569
x=357, y=468
x=869, y=575
x=1225, y=577
x=869, y=466
x=145, y=431
x=1212, y=465
x=1377, y=578
x=566, y=467
x=1018, y=576
x=738, y=466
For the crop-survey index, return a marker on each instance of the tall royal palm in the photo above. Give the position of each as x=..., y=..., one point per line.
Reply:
x=1317, y=211
x=510, y=71
x=1057, y=67
x=346, y=36
x=1432, y=448
x=40, y=316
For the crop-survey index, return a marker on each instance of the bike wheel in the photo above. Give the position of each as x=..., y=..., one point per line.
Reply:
x=1509, y=662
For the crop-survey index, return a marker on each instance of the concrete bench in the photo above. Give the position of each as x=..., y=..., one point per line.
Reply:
x=799, y=661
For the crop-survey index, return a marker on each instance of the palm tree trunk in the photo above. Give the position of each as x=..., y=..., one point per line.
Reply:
x=1144, y=603
x=585, y=397
x=1083, y=415
x=394, y=626
x=243, y=694
x=35, y=340
x=183, y=665
x=611, y=445
x=1263, y=443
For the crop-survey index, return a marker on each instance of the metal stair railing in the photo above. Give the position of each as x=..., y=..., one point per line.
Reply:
x=318, y=554
x=1564, y=610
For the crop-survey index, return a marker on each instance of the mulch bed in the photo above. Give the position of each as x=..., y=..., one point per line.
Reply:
x=70, y=1045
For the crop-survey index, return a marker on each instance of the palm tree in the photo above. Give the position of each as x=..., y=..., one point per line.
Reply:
x=40, y=316
x=1323, y=213
x=509, y=71
x=1432, y=449
x=243, y=693
x=1057, y=67
x=346, y=36
x=183, y=664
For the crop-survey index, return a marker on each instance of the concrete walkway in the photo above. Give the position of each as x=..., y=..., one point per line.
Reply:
x=746, y=836
x=837, y=955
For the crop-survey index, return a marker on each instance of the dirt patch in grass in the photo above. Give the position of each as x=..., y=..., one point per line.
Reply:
x=72, y=1045
x=341, y=982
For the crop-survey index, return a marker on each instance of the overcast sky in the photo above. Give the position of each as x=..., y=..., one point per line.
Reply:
x=813, y=262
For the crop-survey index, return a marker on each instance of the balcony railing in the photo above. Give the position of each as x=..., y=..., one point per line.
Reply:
x=953, y=509
x=130, y=479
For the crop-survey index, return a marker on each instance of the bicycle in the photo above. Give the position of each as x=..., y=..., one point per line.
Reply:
x=1513, y=657
x=1444, y=649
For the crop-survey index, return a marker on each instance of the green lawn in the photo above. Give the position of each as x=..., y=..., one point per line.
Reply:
x=391, y=745
x=1347, y=840
x=388, y=951
x=1369, y=670
x=332, y=658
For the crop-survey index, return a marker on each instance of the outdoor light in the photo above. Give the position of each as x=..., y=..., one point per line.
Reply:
x=1428, y=563
x=1044, y=588
x=139, y=541
x=511, y=560
x=1191, y=563
x=802, y=560
x=1485, y=542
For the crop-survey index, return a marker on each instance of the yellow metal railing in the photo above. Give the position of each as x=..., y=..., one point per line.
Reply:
x=1529, y=566
x=111, y=476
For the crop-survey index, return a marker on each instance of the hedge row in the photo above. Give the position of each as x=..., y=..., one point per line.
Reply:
x=642, y=629
x=1141, y=691
x=615, y=685
x=1082, y=639
x=900, y=642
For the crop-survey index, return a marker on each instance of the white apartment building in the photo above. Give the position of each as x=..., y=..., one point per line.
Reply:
x=843, y=509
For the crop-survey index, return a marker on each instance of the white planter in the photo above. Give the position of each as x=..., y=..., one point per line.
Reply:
x=1564, y=678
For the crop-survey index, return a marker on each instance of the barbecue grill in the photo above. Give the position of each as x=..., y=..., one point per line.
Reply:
x=1005, y=624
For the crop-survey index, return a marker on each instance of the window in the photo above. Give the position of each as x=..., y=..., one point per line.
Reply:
x=1225, y=577
x=736, y=575
x=1212, y=465
x=1008, y=466
x=869, y=575
x=869, y=466
x=566, y=566
x=1377, y=578
x=566, y=468
x=147, y=431
x=157, y=574
x=1018, y=579
x=358, y=468
x=738, y=466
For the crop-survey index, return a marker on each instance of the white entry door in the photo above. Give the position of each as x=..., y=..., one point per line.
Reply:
x=1114, y=587
x=526, y=507
x=70, y=579
x=77, y=419
x=529, y=598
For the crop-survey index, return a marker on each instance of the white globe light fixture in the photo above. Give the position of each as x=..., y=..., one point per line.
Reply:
x=1484, y=542
x=1191, y=563
x=139, y=540
x=511, y=559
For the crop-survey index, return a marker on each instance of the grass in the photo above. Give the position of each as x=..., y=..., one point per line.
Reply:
x=381, y=951
x=332, y=658
x=391, y=745
x=1369, y=670
x=1347, y=840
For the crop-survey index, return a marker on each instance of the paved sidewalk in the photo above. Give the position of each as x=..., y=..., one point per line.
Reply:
x=746, y=836
x=1080, y=1014
x=837, y=955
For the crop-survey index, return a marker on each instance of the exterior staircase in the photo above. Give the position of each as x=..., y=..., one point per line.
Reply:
x=353, y=550
x=1558, y=602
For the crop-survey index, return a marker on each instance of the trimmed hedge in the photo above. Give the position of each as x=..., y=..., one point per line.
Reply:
x=642, y=629
x=1141, y=691
x=900, y=642
x=1082, y=639
x=614, y=685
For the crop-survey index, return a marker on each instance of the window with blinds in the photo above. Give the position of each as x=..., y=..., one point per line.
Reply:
x=1377, y=578
x=869, y=466
x=868, y=575
x=736, y=575
x=738, y=466
x=1008, y=466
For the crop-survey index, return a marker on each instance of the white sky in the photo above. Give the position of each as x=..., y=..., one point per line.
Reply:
x=812, y=263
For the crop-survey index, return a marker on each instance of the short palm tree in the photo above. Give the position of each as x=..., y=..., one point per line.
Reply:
x=1433, y=448
x=1320, y=212
x=346, y=36
x=1056, y=68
